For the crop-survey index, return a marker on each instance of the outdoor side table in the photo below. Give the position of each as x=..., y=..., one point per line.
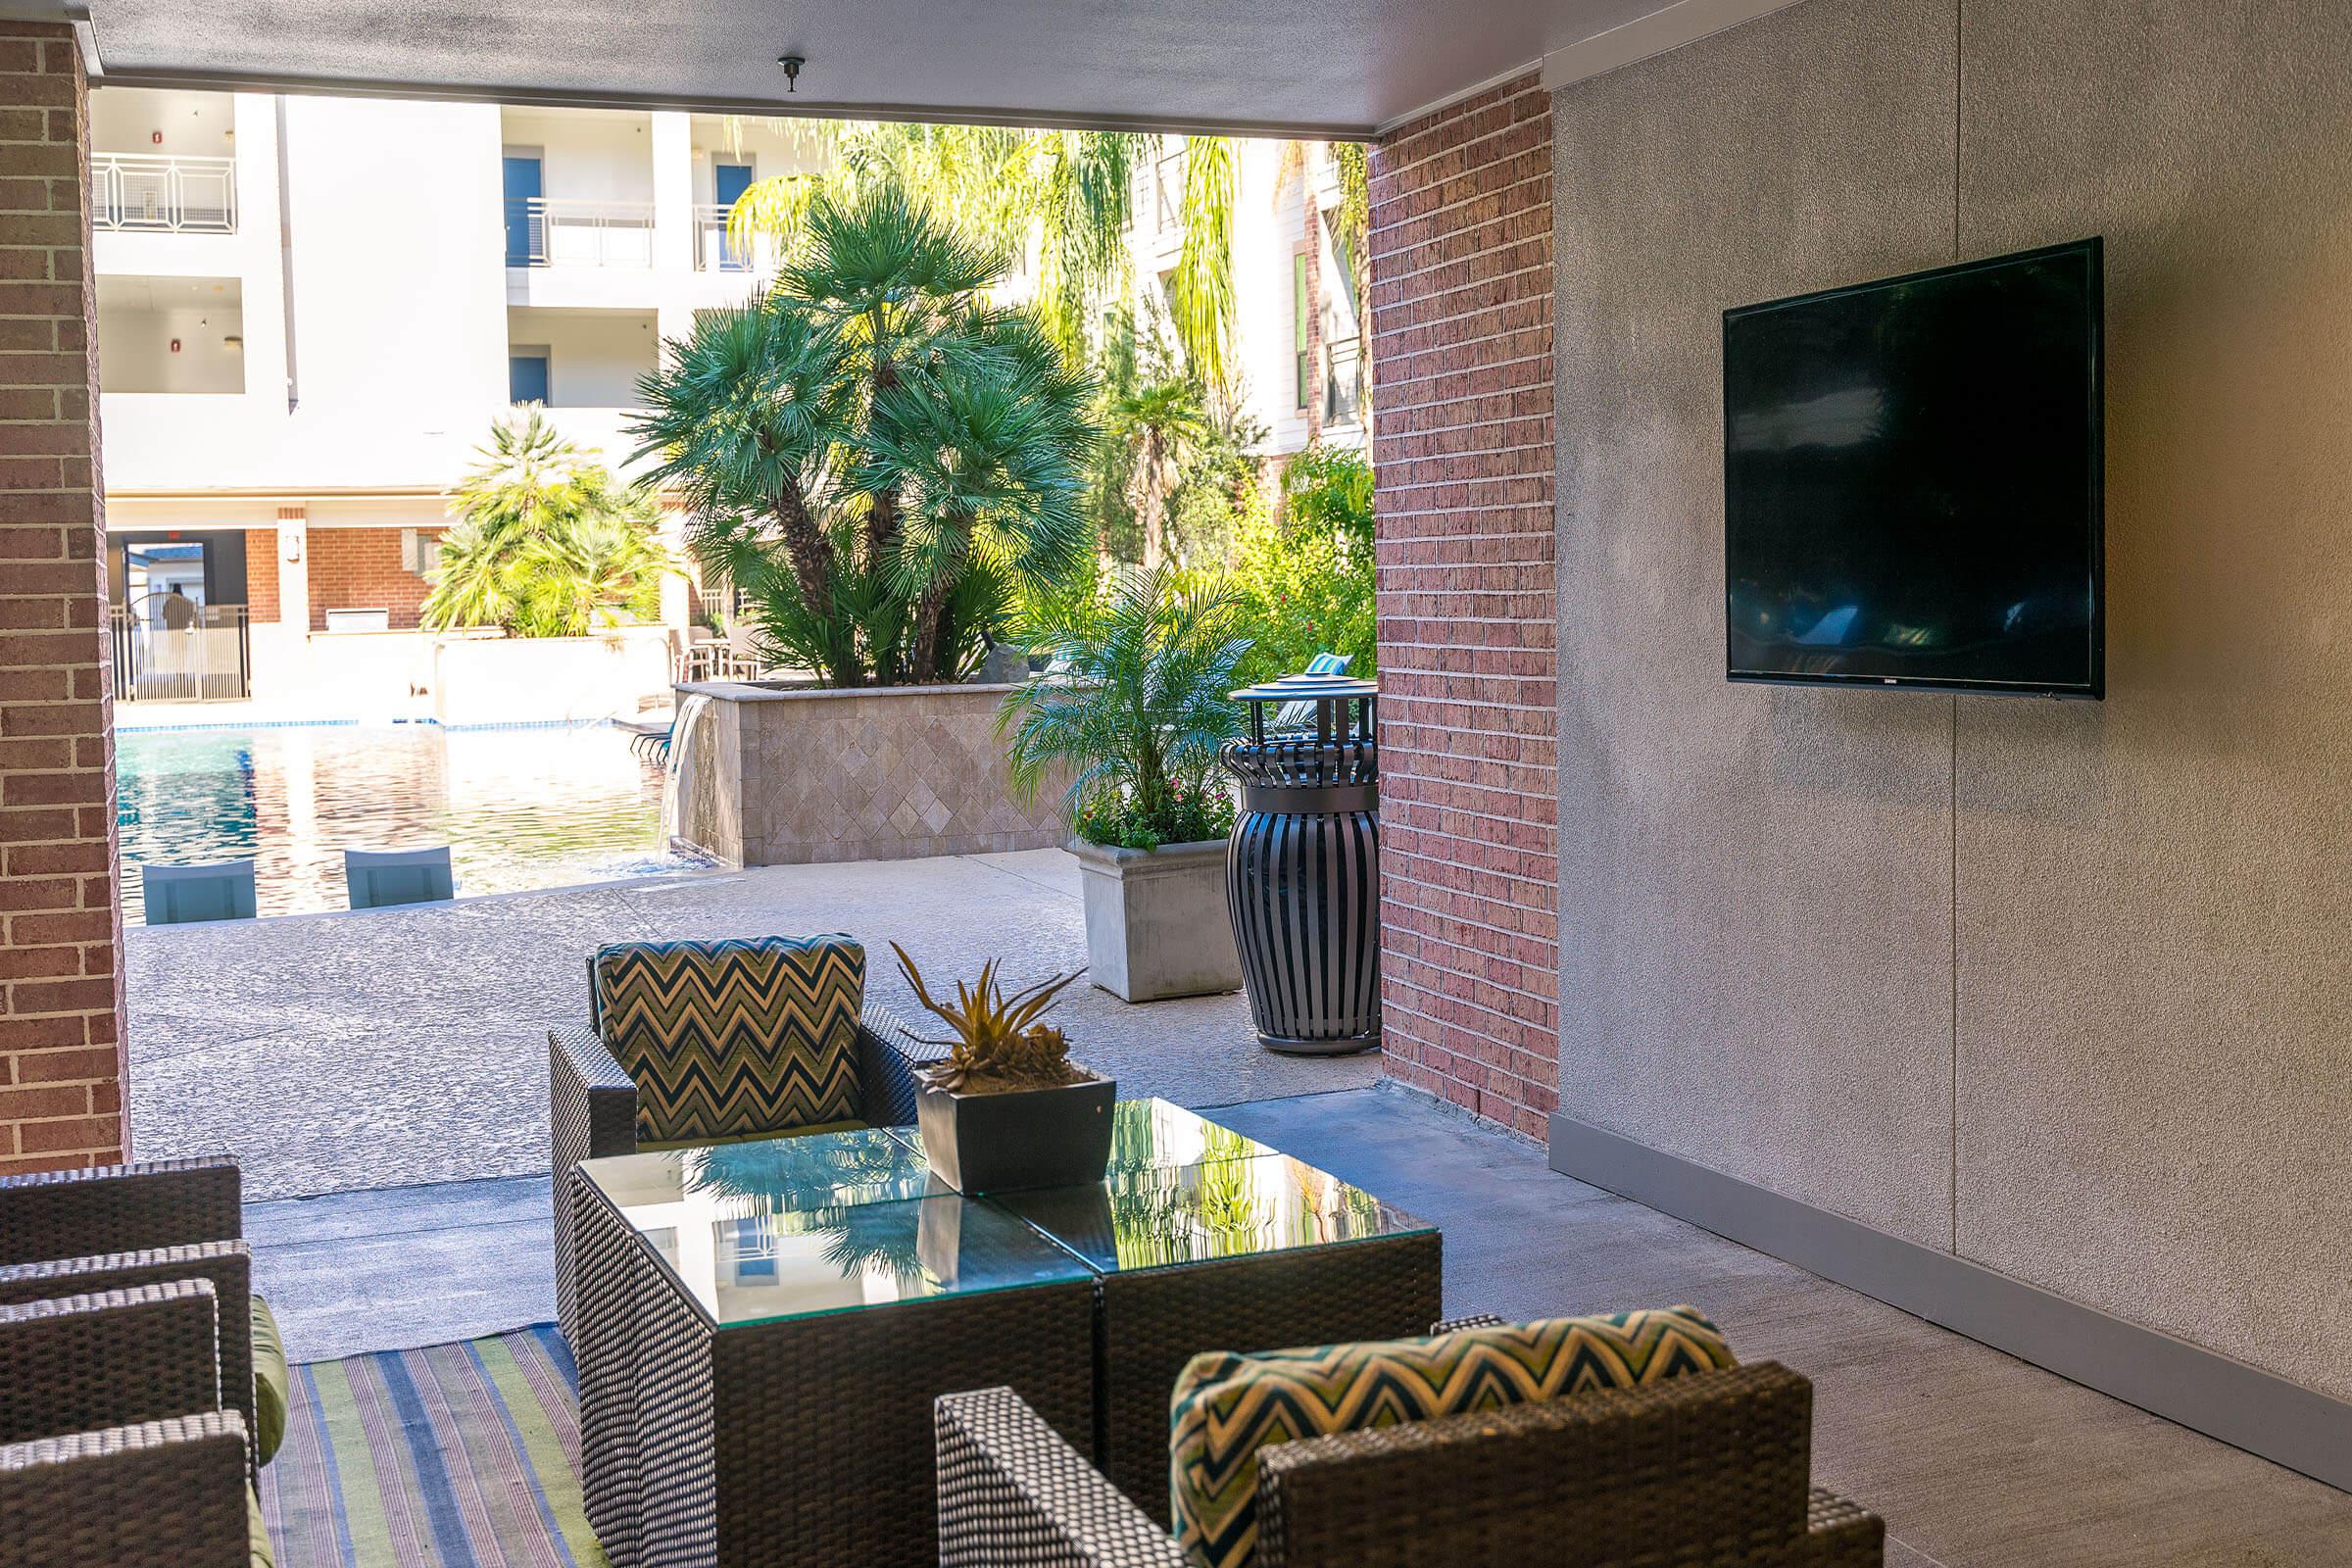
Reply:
x=764, y=1328
x=1201, y=1239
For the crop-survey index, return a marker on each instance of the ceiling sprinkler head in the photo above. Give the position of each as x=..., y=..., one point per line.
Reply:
x=792, y=65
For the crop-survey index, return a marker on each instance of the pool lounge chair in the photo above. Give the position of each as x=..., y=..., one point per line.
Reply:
x=380, y=877
x=179, y=895
x=1300, y=714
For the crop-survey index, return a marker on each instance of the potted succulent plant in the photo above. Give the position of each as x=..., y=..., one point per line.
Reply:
x=1134, y=711
x=1007, y=1108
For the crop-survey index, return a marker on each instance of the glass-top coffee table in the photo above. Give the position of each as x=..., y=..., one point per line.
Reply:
x=1201, y=1239
x=764, y=1326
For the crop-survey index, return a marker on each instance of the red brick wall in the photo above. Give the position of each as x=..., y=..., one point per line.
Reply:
x=1461, y=356
x=261, y=576
x=359, y=569
x=61, y=1061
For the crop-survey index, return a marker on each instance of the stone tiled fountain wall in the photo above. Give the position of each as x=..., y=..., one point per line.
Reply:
x=767, y=777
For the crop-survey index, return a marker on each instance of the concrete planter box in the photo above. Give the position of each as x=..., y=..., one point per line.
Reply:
x=766, y=776
x=1156, y=924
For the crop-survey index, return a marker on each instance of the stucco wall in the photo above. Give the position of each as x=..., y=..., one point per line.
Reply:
x=2059, y=987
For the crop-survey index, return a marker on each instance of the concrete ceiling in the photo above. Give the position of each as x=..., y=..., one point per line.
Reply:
x=1328, y=67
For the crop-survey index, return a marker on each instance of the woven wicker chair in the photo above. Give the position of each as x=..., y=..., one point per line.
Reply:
x=114, y=1448
x=1705, y=1471
x=119, y=1227
x=593, y=1110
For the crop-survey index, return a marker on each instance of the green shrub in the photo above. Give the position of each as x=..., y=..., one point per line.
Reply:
x=546, y=542
x=1305, y=580
x=1139, y=713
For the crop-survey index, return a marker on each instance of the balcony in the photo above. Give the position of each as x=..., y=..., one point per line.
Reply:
x=553, y=231
x=145, y=193
x=715, y=252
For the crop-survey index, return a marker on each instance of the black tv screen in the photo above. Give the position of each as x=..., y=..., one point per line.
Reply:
x=1912, y=474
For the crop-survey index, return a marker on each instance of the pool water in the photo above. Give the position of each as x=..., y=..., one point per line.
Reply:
x=521, y=808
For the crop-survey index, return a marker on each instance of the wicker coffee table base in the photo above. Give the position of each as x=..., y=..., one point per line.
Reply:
x=804, y=1441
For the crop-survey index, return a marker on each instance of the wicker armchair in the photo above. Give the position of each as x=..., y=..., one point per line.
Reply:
x=115, y=1444
x=1705, y=1471
x=593, y=1110
x=119, y=1227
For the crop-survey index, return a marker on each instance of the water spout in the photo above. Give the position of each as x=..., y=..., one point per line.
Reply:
x=675, y=776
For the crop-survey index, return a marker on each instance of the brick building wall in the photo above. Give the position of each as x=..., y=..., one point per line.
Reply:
x=1461, y=322
x=359, y=569
x=261, y=576
x=62, y=1057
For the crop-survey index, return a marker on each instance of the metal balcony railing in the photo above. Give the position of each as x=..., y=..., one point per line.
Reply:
x=551, y=231
x=717, y=251
x=139, y=191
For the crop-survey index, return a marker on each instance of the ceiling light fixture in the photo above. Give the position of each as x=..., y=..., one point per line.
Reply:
x=792, y=65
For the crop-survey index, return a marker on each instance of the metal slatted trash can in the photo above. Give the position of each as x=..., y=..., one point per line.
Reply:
x=1302, y=868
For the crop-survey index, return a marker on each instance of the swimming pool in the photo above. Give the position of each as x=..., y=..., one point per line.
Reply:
x=521, y=808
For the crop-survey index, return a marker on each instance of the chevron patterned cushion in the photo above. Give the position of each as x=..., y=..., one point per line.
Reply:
x=1227, y=1408
x=725, y=1039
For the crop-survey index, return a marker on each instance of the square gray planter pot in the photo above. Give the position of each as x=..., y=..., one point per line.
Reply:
x=1156, y=920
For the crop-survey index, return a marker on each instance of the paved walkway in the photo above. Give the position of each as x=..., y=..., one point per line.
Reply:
x=1975, y=1459
x=333, y=1052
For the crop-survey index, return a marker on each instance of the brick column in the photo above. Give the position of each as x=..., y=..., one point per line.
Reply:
x=1460, y=338
x=62, y=1059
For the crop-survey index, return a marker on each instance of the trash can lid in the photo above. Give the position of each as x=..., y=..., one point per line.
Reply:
x=1305, y=688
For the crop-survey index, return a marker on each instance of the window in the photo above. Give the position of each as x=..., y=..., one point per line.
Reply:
x=527, y=375
x=1302, y=337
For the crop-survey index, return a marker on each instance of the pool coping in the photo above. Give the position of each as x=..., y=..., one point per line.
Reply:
x=658, y=879
x=136, y=728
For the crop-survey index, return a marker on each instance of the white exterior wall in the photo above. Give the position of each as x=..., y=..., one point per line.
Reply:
x=398, y=319
x=594, y=356
x=402, y=304
x=586, y=155
x=1273, y=182
x=402, y=309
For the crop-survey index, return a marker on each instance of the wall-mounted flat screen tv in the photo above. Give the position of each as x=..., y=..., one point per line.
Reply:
x=1912, y=480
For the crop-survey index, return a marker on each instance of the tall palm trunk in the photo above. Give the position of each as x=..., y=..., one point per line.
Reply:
x=930, y=614
x=1155, y=498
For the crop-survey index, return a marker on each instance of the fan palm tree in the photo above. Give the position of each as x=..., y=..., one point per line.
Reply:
x=1146, y=706
x=546, y=539
x=1160, y=420
x=872, y=453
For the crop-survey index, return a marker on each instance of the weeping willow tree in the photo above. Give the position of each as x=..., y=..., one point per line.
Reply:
x=1200, y=294
x=1064, y=192
x=1067, y=193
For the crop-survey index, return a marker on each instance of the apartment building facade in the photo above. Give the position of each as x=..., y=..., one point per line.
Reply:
x=1298, y=341
x=311, y=310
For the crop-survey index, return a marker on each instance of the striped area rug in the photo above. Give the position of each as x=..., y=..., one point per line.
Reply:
x=453, y=1456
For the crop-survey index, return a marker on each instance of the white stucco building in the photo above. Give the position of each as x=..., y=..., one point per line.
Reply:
x=313, y=309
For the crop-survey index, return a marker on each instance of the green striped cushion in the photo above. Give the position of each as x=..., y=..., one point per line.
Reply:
x=735, y=1038
x=1227, y=1408
x=272, y=1384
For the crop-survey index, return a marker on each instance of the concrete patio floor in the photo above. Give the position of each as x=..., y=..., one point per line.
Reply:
x=1975, y=1459
x=405, y=1046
